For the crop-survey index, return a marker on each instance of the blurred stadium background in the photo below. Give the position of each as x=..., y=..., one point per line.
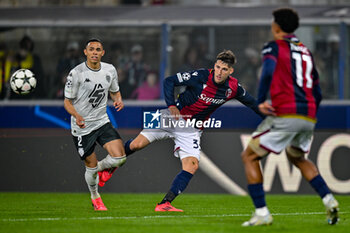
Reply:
x=172, y=35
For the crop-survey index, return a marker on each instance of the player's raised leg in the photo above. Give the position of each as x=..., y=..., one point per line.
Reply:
x=310, y=172
x=254, y=176
x=189, y=168
x=91, y=179
x=116, y=158
x=136, y=144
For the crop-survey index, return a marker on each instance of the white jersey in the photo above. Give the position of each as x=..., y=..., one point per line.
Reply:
x=88, y=89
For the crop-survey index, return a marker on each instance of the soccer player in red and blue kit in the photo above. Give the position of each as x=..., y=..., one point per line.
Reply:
x=290, y=75
x=206, y=90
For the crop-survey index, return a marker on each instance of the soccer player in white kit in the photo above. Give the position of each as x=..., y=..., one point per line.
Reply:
x=86, y=94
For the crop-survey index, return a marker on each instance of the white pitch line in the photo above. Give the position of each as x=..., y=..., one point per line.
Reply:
x=155, y=217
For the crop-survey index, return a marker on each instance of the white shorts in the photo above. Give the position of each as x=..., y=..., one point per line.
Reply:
x=276, y=133
x=187, y=141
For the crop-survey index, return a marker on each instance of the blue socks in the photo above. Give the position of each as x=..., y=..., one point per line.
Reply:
x=178, y=186
x=127, y=149
x=180, y=182
x=257, y=194
x=320, y=186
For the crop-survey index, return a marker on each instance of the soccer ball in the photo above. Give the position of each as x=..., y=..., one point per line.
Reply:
x=23, y=81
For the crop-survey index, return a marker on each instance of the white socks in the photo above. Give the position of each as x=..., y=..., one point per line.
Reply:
x=91, y=179
x=91, y=176
x=327, y=198
x=263, y=211
x=329, y=201
x=110, y=162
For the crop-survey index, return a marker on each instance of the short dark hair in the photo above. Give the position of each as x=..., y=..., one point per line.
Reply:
x=227, y=56
x=287, y=19
x=26, y=43
x=93, y=40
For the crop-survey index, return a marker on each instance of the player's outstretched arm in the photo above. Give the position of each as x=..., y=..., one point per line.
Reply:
x=71, y=110
x=180, y=79
x=117, y=100
x=245, y=98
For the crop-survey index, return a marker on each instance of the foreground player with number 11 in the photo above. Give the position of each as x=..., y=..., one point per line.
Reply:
x=290, y=75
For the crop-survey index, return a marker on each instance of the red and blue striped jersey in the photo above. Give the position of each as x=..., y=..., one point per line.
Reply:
x=289, y=73
x=202, y=95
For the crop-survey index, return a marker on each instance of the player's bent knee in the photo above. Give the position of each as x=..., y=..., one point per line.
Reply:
x=138, y=144
x=115, y=148
x=294, y=152
x=190, y=164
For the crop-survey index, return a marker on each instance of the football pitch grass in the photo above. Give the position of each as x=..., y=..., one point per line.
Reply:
x=72, y=212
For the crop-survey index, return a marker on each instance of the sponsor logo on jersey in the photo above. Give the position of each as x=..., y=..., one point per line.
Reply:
x=97, y=95
x=210, y=99
x=186, y=76
x=69, y=84
x=244, y=91
x=183, y=77
x=108, y=78
x=267, y=50
x=228, y=92
x=81, y=151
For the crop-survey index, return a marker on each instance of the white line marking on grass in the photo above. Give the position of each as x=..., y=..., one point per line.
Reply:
x=155, y=217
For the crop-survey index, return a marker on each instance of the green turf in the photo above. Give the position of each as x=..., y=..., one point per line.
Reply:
x=67, y=212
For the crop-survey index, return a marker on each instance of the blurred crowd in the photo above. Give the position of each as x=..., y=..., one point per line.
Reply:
x=138, y=76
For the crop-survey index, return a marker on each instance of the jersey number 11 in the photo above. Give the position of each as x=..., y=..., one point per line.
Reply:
x=300, y=73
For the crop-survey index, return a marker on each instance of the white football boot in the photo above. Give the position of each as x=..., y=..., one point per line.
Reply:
x=259, y=220
x=332, y=207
